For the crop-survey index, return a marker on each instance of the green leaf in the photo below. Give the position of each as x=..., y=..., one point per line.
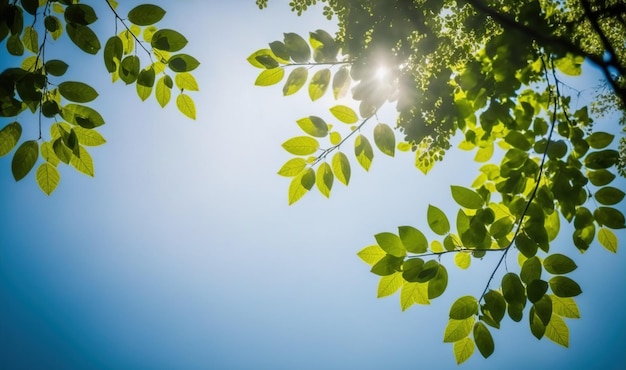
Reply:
x=607, y=239
x=30, y=39
x=463, y=350
x=56, y=67
x=61, y=151
x=319, y=83
x=300, y=185
x=467, y=198
x=463, y=260
x=413, y=240
x=47, y=177
x=599, y=140
x=565, y=306
x=570, y=64
x=518, y=140
x=325, y=179
x=54, y=26
x=301, y=145
x=371, y=254
x=296, y=79
x=437, y=285
x=531, y=270
x=437, y=220
x=14, y=45
x=600, y=177
x=513, y=290
x=314, y=126
x=168, y=40
x=261, y=55
x=146, y=14
x=601, y=159
x=609, y=217
x=526, y=245
x=464, y=307
x=113, y=51
x=559, y=264
x=537, y=327
x=9, y=137
x=413, y=293
x=88, y=137
x=564, y=287
x=83, y=37
x=483, y=339
x=280, y=50
x=182, y=63
x=186, y=81
x=145, y=82
x=292, y=167
x=83, y=162
x=412, y=269
x=609, y=195
x=391, y=244
x=270, y=77
x=536, y=290
x=129, y=69
x=341, y=167
x=543, y=308
x=387, y=265
x=297, y=47
x=344, y=114
x=77, y=92
x=24, y=159
x=163, y=92
x=363, y=152
x=186, y=105
x=458, y=329
x=385, y=139
x=335, y=138
x=30, y=6
x=341, y=82
x=495, y=305
x=389, y=284
x=81, y=115
x=557, y=331
x=80, y=13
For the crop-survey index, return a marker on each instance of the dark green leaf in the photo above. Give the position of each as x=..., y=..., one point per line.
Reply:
x=438, y=284
x=564, y=287
x=537, y=327
x=387, y=265
x=543, y=308
x=464, y=307
x=599, y=140
x=513, y=290
x=559, y=264
x=56, y=67
x=413, y=239
x=601, y=159
x=515, y=311
x=531, y=270
x=168, y=40
x=609, y=195
x=113, y=51
x=518, y=140
x=80, y=14
x=385, y=139
x=183, y=63
x=525, y=245
x=280, y=50
x=411, y=269
x=9, y=137
x=297, y=47
x=77, y=91
x=83, y=37
x=30, y=6
x=600, y=177
x=129, y=69
x=483, y=339
x=146, y=14
x=609, y=217
x=14, y=45
x=495, y=305
x=536, y=290
x=24, y=159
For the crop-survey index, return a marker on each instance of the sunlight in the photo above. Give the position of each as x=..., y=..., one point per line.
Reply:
x=381, y=73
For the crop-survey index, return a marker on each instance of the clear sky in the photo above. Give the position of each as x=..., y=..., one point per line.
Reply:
x=182, y=252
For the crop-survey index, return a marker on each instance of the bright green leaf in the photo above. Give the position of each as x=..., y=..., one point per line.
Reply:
x=607, y=239
x=391, y=244
x=463, y=350
x=341, y=82
x=464, y=307
x=413, y=240
x=389, y=284
x=186, y=105
x=270, y=77
x=83, y=162
x=371, y=254
x=344, y=114
x=437, y=220
x=301, y=145
x=363, y=152
x=319, y=83
x=458, y=329
x=186, y=81
x=565, y=306
x=47, y=177
x=9, y=137
x=300, y=185
x=467, y=198
x=296, y=79
x=557, y=331
x=292, y=167
x=341, y=167
x=163, y=92
x=314, y=126
x=462, y=260
x=324, y=179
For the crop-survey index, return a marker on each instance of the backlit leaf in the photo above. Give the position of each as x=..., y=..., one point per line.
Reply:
x=24, y=159
x=300, y=185
x=146, y=14
x=385, y=139
x=314, y=126
x=186, y=105
x=559, y=264
x=83, y=37
x=301, y=145
x=464, y=307
x=387, y=265
x=463, y=260
x=324, y=179
x=182, y=63
x=292, y=167
x=609, y=195
x=463, y=350
x=296, y=79
x=413, y=240
x=344, y=114
x=270, y=77
x=609, y=217
x=467, y=198
x=341, y=167
x=371, y=254
x=389, y=284
x=557, y=331
x=81, y=115
x=363, y=152
x=483, y=339
x=77, y=92
x=564, y=287
x=512, y=289
x=30, y=39
x=47, y=177
x=341, y=82
x=565, y=306
x=186, y=81
x=438, y=284
x=113, y=50
x=437, y=220
x=458, y=329
x=319, y=83
x=9, y=137
x=168, y=40
x=600, y=177
x=298, y=48
x=129, y=69
x=607, y=239
x=391, y=244
x=413, y=293
x=163, y=92
x=599, y=140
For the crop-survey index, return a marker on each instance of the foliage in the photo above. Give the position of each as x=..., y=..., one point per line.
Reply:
x=492, y=79
x=37, y=84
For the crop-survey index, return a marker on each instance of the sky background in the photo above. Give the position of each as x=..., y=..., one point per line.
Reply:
x=182, y=252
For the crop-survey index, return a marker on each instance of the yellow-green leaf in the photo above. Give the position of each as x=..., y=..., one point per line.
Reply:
x=324, y=179
x=9, y=136
x=341, y=167
x=413, y=292
x=301, y=145
x=335, y=138
x=83, y=162
x=296, y=79
x=163, y=93
x=186, y=81
x=462, y=260
x=484, y=154
x=292, y=167
x=557, y=331
x=47, y=177
x=371, y=254
x=363, y=152
x=344, y=114
x=607, y=239
x=319, y=83
x=389, y=284
x=300, y=185
x=186, y=105
x=565, y=306
x=463, y=350
x=270, y=77
x=30, y=39
x=458, y=329
x=385, y=139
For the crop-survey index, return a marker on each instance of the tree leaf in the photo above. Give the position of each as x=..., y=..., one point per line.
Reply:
x=437, y=220
x=182, y=63
x=9, y=137
x=607, y=239
x=24, y=159
x=344, y=114
x=168, y=40
x=464, y=307
x=77, y=92
x=599, y=140
x=47, y=177
x=483, y=339
x=319, y=83
x=341, y=82
x=145, y=82
x=280, y=50
x=391, y=244
x=565, y=306
x=437, y=285
x=462, y=260
x=458, y=329
x=113, y=51
x=413, y=240
x=270, y=77
x=389, y=284
x=600, y=177
x=300, y=185
x=30, y=39
x=292, y=167
x=609, y=195
x=297, y=47
x=186, y=105
x=557, y=331
x=609, y=217
x=601, y=159
x=531, y=270
x=495, y=305
x=463, y=350
x=301, y=145
x=129, y=69
x=467, y=198
x=412, y=269
x=83, y=162
x=81, y=115
x=56, y=67
x=371, y=254
x=325, y=179
x=314, y=126
x=536, y=290
x=513, y=290
x=564, y=287
x=559, y=264
x=341, y=167
x=83, y=37
x=387, y=265
x=296, y=79
x=385, y=139
x=163, y=92
x=146, y=14
x=413, y=293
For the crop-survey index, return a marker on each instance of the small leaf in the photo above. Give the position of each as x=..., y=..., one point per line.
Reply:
x=344, y=114
x=314, y=126
x=292, y=167
x=467, y=198
x=270, y=77
x=319, y=83
x=77, y=92
x=437, y=220
x=182, y=63
x=371, y=254
x=458, y=329
x=483, y=339
x=385, y=139
x=186, y=105
x=9, y=137
x=564, y=287
x=391, y=244
x=186, y=81
x=56, y=67
x=24, y=159
x=462, y=260
x=325, y=179
x=389, y=284
x=557, y=331
x=565, y=306
x=363, y=152
x=464, y=307
x=300, y=185
x=607, y=239
x=168, y=40
x=47, y=177
x=163, y=92
x=301, y=145
x=296, y=79
x=559, y=264
x=463, y=350
x=341, y=167
x=146, y=14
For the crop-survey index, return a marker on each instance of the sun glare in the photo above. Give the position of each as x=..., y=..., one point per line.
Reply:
x=382, y=72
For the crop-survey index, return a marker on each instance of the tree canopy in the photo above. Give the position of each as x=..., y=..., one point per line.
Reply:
x=493, y=79
x=490, y=78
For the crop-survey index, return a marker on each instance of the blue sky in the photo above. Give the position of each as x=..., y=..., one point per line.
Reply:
x=182, y=252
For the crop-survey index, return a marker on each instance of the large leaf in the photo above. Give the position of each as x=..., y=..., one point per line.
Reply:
x=371, y=254
x=463, y=350
x=300, y=185
x=183, y=63
x=314, y=126
x=270, y=77
x=464, y=307
x=609, y=195
x=81, y=115
x=512, y=289
x=385, y=139
x=363, y=152
x=607, y=239
x=24, y=159
x=9, y=137
x=83, y=37
x=129, y=69
x=292, y=167
x=77, y=92
x=301, y=145
x=564, y=287
x=609, y=217
x=467, y=198
x=559, y=264
x=557, y=331
x=389, y=284
x=47, y=177
x=341, y=82
x=297, y=47
x=146, y=14
x=437, y=220
x=599, y=140
x=163, y=90
x=113, y=52
x=413, y=240
x=168, y=40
